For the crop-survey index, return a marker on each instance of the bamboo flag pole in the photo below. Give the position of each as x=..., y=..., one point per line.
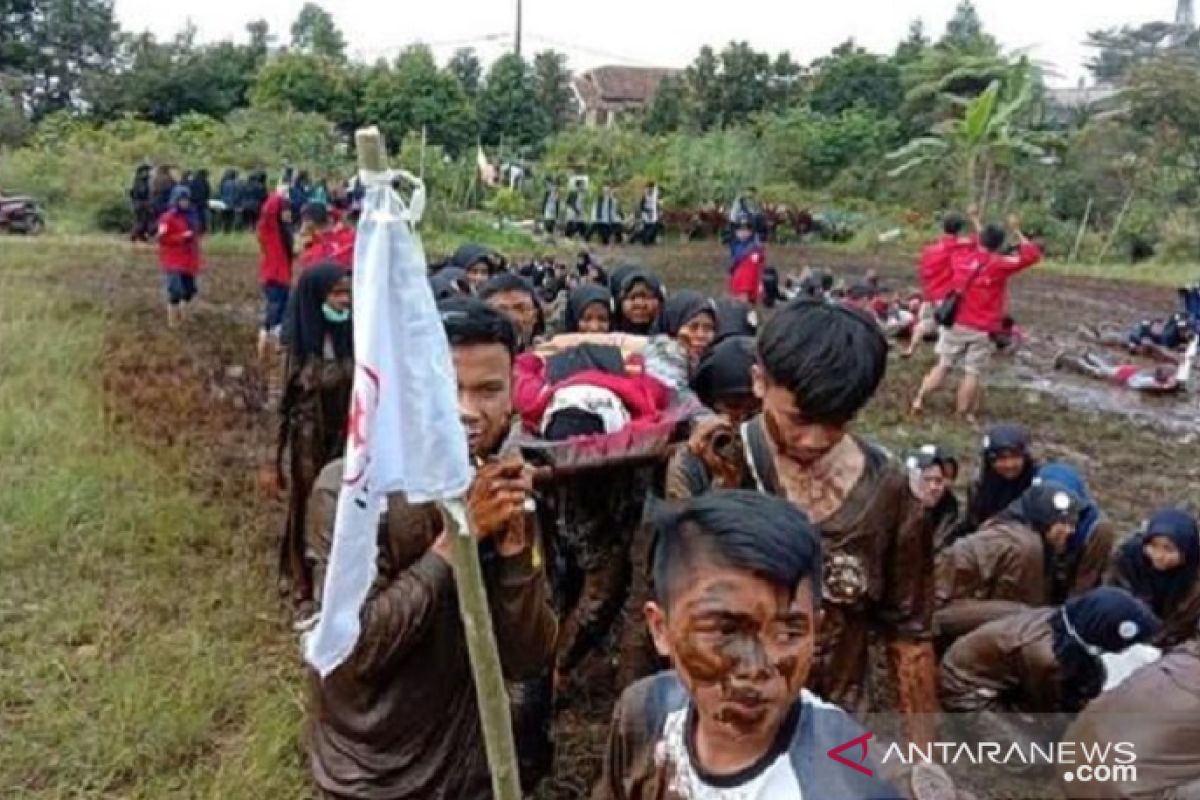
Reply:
x=492, y=696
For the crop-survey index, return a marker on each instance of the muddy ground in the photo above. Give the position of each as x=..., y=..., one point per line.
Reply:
x=197, y=394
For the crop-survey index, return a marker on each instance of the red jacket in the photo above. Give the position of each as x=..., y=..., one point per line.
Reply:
x=177, y=250
x=335, y=244
x=984, y=306
x=644, y=397
x=275, y=265
x=936, y=272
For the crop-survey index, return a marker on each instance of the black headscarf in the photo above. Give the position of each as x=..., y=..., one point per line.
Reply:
x=617, y=277
x=992, y=494
x=471, y=253
x=724, y=371
x=681, y=308
x=448, y=282
x=306, y=324
x=735, y=318
x=1043, y=506
x=630, y=277
x=582, y=297
x=1163, y=590
x=1104, y=620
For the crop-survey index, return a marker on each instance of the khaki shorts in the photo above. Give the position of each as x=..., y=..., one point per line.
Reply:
x=972, y=347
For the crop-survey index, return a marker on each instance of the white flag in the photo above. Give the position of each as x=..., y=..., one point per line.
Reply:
x=404, y=434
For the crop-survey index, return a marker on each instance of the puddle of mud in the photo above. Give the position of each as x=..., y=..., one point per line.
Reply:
x=1178, y=416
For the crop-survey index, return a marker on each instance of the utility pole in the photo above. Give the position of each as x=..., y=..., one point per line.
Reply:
x=517, y=46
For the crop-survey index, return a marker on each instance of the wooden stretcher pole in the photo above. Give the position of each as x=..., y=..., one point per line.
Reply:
x=494, y=715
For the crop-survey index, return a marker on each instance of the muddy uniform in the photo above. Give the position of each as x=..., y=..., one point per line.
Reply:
x=650, y=753
x=1157, y=710
x=1008, y=664
x=399, y=719
x=314, y=409
x=878, y=553
x=1003, y=569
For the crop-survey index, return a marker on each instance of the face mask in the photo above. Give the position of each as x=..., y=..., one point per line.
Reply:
x=334, y=315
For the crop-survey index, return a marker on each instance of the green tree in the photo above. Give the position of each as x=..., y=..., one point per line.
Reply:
x=161, y=81
x=507, y=105
x=964, y=32
x=309, y=83
x=261, y=40
x=315, y=32
x=851, y=77
x=465, y=66
x=786, y=83
x=668, y=110
x=913, y=47
x=416, y=94
x=704, y=89
x=744, y=82
x=552, y=85
x=987, y=139
x=1119, y=50
x=68, y=40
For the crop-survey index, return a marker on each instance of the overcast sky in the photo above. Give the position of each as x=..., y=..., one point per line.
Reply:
x=660, y=32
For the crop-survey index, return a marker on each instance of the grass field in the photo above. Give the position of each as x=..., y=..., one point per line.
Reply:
x=143, y=650
x=140, y=656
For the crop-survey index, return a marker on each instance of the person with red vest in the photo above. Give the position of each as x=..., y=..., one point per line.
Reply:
x=748, y=259
x=179, y=252
x=936, y=273
x=981, y=277
x=274, y=267
x=325, y=242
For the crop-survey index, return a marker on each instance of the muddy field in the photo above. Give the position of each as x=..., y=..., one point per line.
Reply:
x=197, y=395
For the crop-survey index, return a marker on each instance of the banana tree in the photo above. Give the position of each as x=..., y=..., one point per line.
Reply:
x=987, y=137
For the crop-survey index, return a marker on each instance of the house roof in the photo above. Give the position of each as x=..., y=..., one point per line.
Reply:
x=620, y=86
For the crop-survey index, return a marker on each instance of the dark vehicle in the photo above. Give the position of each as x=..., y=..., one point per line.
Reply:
x=20, y=214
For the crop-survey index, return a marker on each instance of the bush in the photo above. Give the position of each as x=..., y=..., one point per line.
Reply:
x=114, y=217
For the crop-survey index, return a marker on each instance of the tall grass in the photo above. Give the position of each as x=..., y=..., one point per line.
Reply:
x=140, y=651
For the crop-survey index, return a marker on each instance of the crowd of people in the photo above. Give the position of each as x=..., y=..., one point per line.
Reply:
x=601, y=221
x=666, y=485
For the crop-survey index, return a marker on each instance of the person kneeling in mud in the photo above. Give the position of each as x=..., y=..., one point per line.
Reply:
x=399, y=718
x=737, y=577
x=1153, y=380
x=1157, y=711
x=1041, y=661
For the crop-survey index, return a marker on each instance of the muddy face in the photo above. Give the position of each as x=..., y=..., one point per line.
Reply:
x=743, y=648
x=796, y=436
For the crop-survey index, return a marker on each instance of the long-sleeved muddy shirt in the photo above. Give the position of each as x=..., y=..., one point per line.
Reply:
x=398, y=719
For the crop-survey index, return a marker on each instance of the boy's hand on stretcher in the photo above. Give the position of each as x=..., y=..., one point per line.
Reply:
x=496, y=505
x=719, y=447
